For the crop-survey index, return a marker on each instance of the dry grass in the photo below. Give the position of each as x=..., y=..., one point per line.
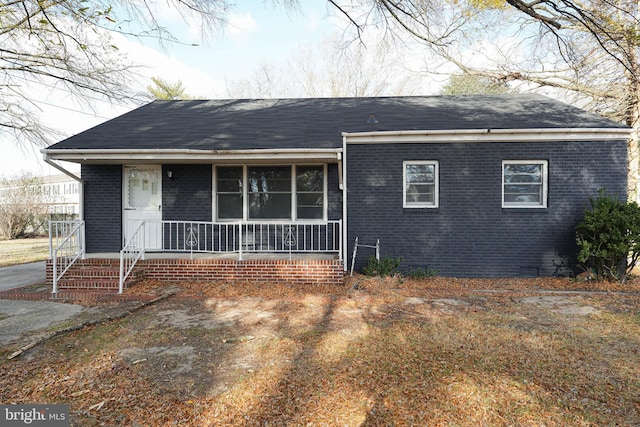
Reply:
x=20, y=251
x=373, y=353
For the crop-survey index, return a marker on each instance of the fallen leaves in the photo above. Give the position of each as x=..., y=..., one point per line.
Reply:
x=377, y=351
x=241, y=338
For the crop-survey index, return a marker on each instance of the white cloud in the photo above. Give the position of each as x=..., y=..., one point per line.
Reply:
x=240, y=26
x=157, y=63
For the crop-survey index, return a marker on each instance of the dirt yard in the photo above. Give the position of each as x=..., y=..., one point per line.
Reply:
x=377, y=352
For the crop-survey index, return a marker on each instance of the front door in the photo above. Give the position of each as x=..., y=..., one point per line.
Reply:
x=143, y=202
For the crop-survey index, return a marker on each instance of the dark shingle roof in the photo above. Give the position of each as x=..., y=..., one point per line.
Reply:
x=319, y=122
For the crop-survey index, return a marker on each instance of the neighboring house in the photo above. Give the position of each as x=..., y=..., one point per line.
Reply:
x=480, y=186
x=59, y=192
x=62, y=193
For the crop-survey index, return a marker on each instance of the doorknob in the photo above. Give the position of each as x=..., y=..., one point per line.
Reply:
x=159, y=207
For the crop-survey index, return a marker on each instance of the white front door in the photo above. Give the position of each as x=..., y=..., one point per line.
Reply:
x=142, y=201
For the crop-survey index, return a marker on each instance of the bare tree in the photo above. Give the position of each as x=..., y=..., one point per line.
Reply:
x=68, y=45
x=23, y=206
x=371, y=69
x=267, y=81
x=331, y=69
x=586, y=51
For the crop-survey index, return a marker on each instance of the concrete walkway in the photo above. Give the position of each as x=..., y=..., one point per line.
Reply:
x=18, y=318
x=22, y=275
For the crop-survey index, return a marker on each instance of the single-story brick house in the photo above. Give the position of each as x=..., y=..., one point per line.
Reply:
x=473, y=186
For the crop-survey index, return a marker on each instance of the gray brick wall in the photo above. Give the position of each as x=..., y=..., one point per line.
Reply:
x=334, y=193
x=187, y=196
x=470, y=234
x=103, y=207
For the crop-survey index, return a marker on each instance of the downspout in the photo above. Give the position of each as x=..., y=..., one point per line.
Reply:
x=344, y=200
x=73, y=176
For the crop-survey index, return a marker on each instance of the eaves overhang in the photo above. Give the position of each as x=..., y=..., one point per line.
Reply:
x=488, y=135
x=124, y=156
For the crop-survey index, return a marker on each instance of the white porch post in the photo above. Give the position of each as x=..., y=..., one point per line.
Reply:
x=240, y=242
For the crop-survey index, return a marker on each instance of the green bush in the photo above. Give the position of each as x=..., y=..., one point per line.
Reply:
x=419, y=273
x=609, y=237
x=383, y=267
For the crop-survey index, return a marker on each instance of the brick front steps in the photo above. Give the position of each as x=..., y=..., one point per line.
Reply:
x=93, y=274
x=103, y=273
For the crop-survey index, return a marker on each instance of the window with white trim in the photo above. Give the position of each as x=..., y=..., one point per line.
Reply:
x=309, y=192
x=271, y=192
x=229, y=195
x=524, y=183
x=420, y=184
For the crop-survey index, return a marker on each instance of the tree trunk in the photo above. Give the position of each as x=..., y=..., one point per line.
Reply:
x=632, y=118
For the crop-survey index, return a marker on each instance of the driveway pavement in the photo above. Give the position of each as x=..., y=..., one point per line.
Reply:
x=18, y=318
x=22, y=275
x=21, y=317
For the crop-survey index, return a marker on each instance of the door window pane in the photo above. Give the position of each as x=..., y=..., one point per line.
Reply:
x=142, y=188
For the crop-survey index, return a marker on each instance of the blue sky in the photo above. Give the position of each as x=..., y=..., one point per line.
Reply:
x=256, y=34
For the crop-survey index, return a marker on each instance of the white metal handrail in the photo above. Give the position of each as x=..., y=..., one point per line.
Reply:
x=130, y=254
x=68, y=248
x=60, y=230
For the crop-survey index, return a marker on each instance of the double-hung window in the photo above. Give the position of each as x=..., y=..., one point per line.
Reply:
x=270, y=193
x=524, y=183
x=309, y=192
x=229, y=192
x=420, y=183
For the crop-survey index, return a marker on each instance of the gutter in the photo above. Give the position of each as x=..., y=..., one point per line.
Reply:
x=160, y=155
x=488, y=135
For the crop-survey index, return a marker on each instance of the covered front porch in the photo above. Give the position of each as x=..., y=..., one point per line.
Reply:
x=292, y=252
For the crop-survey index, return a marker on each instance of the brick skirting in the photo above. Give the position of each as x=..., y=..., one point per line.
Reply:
x=297, y=271
x=307, y=271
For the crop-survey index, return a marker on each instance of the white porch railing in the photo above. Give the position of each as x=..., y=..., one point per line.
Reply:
x=210, y=237
x=67, y=240
x=66, y=246
x=132, y=252
x=243, y=237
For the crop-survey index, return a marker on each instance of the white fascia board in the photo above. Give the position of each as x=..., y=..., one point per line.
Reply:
x=185, y=156
x=487, y=135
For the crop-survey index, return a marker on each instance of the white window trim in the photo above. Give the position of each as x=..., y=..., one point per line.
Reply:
x=436, y=197
x=545, y=184
x=294, y=195
x=245, y=198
